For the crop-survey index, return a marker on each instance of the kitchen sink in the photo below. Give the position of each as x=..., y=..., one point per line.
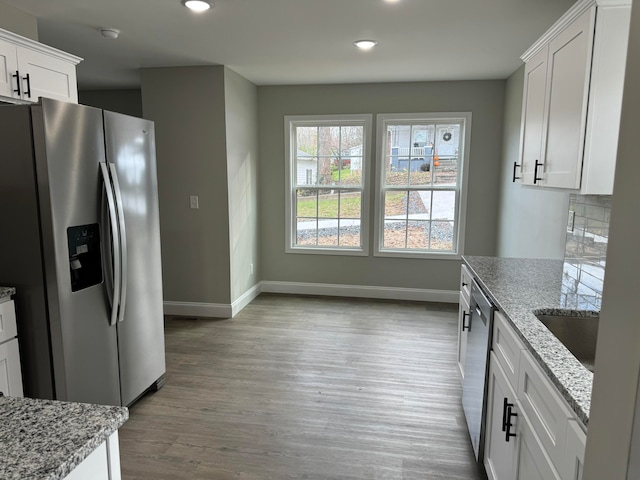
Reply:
x=578, y=334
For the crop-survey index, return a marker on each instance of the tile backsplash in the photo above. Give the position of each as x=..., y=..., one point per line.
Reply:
x=586, y=250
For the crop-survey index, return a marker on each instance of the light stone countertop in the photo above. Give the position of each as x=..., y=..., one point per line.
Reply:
x=46, y=440
x=522, y=288
x=7, y=292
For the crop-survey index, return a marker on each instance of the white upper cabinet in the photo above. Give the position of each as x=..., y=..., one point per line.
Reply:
x=531, y=138
x=29, y=70
x=8, y=68
x=572, y=99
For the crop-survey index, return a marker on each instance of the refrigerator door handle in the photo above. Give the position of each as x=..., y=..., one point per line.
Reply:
x=123, y=242
x=114, y=296
x=107, y=246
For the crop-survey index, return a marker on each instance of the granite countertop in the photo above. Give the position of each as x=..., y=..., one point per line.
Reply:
x=44, y=439
x=522, y=288
x=7, y=292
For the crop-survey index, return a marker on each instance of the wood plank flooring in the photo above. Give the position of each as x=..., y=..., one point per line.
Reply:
x=306, y=388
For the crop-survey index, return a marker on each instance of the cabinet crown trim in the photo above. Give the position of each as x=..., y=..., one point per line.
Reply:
x=40, y=47
x=569, y=17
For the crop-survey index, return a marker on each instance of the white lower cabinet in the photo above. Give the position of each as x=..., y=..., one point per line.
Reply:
x=574, y=452
x=533, y=462
x=102, y=464
x=10, y=374
x=530, y=431
x=500, y=451
x=10, y=371
x=463, y=327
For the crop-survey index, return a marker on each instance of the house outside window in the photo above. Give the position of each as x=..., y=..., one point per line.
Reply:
x=420, y=197
x=327, y=199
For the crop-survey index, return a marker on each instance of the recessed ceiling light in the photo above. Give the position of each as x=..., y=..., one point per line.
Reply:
x=365, y=44
x=197, y=5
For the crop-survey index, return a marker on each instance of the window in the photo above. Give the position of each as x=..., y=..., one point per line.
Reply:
x=327, y=177
x=419, y=200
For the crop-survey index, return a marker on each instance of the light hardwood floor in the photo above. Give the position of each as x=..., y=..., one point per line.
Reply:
x=306, y=388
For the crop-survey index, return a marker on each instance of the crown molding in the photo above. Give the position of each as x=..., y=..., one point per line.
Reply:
x=569, y=17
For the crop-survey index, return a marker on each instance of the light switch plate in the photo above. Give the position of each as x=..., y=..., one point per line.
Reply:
x=193, y=202
x=572, y=221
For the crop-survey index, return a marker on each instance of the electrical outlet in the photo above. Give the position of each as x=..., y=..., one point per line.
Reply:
x=251, y=269
x=193, y=202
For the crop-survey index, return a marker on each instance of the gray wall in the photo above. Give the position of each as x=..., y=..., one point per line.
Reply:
x=483, y=98
x=128, y=101
x=613, y=442
x=188, y=107
x=241, y=113
x=19, y=22
x=531, y=221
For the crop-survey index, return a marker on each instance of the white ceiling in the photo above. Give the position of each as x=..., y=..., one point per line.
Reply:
x=297, y=41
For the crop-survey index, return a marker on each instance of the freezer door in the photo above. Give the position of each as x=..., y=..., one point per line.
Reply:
x=130, y=144
x=69, y=144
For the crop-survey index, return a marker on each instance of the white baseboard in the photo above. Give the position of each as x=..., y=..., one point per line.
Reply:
x=225, y=310
x=193, y=309
x=245, y=299
x=217, y=310
x=336, y=290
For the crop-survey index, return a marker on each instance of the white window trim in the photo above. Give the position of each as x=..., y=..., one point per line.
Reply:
x=461, y=208
x=290, y=203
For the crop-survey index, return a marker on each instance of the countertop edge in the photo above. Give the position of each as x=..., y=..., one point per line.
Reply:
x=47, y=439
x=568, y=375
x=7, y=292
x=88, y=448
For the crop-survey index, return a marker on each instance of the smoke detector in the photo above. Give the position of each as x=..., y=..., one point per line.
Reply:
x=109, y=32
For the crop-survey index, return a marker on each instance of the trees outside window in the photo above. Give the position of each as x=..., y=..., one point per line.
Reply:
x=419, y=199
x=327, y=211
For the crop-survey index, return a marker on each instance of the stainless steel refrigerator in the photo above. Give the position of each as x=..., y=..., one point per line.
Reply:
x=80, y=240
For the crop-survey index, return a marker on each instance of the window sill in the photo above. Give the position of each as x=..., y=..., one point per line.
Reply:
x=356, y=252
x=423, y=255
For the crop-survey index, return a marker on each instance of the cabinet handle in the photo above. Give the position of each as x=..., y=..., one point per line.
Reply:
x=17, y=77
x=28, y=79
x=464, y=284
x=535, y=172
x=515, y=165
x=465, y=315
x=508, y=425
x=505, y=405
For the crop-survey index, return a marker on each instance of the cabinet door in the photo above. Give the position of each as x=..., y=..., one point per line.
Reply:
x=102, y=464
x=95, y=466
x=533, y=103
x=574, y=452
x=465, y=282
x=546, y=410
x=49, y=76
x=533, y=463
x=569, y=68
x=463, y=321
x=500, y=453
x=10, y=374
x=8, y=68
x=507, y=347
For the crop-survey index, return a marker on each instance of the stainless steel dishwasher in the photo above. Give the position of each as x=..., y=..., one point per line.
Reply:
x=480, y=323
